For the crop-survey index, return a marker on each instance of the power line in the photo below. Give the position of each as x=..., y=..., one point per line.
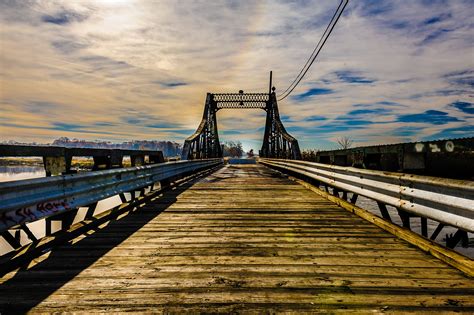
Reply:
x=317, y=49
x=314, y=51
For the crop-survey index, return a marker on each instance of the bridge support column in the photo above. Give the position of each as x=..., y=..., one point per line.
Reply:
x=101, y=162
x=156, y=158
x=116, y=159
x=57, y=165
x=137, y=160
x=204, y=143
x=405, y=217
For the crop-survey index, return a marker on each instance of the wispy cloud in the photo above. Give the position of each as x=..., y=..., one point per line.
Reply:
x=118, y=70
x=465, y=107
x=438, y=18
x=173, y=84
x=352, y=77
x=63, y=17
x=434, y=117
x=312, y=92
x=372, y=111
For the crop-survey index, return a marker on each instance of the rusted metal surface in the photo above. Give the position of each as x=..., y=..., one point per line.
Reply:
x=452, y=158
x=444, y=200
x=32, y=199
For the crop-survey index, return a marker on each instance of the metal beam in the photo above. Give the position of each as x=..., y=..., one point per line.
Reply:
x=204, y=143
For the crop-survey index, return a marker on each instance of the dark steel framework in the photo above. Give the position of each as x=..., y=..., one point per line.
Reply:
x=277, y=142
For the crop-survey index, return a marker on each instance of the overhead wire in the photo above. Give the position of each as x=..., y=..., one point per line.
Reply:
x=314, y=51
x=317, y=49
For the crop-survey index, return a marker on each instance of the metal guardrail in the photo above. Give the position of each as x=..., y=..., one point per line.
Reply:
x=444, y=200
x=33, y=199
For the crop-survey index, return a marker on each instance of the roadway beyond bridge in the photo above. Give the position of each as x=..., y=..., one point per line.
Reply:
x=243, y=239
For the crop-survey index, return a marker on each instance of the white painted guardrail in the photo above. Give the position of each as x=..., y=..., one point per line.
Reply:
x=32, y=199
x=444, y=200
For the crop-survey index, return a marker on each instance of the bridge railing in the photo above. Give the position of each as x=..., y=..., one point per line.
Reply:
x=452, y=158
x=30, y=200
x=57, y=160
x=447, y=201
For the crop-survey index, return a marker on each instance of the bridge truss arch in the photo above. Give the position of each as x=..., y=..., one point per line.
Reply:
x=277, y=142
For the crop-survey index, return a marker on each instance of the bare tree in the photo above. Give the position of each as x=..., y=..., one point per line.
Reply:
x=309, y=155
x=233, y=149
x=344, y=142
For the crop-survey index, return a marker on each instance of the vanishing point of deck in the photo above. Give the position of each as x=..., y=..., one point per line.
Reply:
x=243, y=239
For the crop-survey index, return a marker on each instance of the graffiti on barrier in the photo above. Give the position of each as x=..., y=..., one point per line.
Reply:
x=38, y=211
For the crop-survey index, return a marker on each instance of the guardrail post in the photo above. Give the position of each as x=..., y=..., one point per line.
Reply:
x=437, y=231
x=453, y=240
x=424, y=226
x=354, y=198
x=405, y=217
x=384, y=211
x=327, y=188
x=344, y=195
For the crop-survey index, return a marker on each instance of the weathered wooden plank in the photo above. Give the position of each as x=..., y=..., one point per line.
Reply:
x=241, y=240
x=370, y=272
x=352, y=297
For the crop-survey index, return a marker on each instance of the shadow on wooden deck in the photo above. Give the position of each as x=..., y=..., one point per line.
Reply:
x=32, y=283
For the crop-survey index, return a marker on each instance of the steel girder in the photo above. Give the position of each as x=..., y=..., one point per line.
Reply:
x=277, y=142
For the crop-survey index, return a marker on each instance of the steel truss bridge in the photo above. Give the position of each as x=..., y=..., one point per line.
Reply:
x=277, y=143
x=193, y=236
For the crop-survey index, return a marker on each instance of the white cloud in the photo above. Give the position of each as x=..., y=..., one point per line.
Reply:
x=94, y=60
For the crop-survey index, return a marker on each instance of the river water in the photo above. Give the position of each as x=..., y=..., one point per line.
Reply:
x=10, y=173
x=14, y=173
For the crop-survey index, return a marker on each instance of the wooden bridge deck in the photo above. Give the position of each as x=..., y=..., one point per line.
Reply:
x=243, y=239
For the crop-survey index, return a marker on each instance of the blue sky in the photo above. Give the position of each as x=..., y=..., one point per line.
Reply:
x=392, y=71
